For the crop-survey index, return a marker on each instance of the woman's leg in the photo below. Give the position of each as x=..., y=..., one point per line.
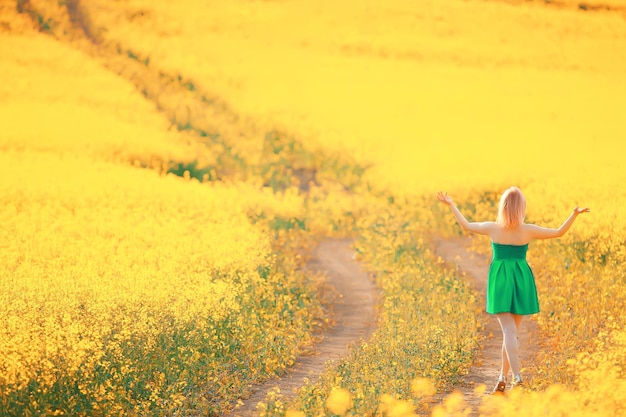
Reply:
x=510, y=349
x=517, y=377
x=506, y=367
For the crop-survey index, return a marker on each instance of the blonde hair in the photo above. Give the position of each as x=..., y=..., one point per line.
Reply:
x=512, y=209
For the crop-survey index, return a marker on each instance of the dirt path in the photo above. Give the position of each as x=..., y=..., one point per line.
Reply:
x=486, y=366
x=355, y=319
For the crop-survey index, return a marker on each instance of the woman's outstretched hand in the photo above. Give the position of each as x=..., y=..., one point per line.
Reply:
x=579, y=210
x=444, y=198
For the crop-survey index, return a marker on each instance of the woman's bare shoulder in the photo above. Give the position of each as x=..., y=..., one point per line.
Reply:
x=492, y=228
x=534, y=231
x=495, y=225
x=530, y=227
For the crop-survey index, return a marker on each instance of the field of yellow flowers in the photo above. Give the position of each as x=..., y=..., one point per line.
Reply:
x=167, y=166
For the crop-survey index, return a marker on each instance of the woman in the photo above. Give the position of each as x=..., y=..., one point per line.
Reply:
x=511, y=291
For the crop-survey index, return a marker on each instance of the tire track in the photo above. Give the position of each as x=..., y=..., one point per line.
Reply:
x=241, y=146
x=354, y=316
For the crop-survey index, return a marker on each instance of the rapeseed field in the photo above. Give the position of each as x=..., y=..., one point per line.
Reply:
x=167, y=167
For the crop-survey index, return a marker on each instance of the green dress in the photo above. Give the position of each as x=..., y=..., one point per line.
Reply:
x=511, y=283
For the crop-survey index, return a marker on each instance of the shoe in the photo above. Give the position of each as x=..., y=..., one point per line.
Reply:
x=499, y=388
x=517, y=383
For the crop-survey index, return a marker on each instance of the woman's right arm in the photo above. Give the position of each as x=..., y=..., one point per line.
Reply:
x=482, y=228
x=538, y=232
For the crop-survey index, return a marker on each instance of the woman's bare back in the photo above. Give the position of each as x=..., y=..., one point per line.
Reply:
x=519, y=235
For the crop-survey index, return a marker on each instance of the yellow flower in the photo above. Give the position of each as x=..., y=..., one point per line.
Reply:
x=294, y=413
x=454, y=402
x=422, y=387
x=480, y=389
x=339, y=401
